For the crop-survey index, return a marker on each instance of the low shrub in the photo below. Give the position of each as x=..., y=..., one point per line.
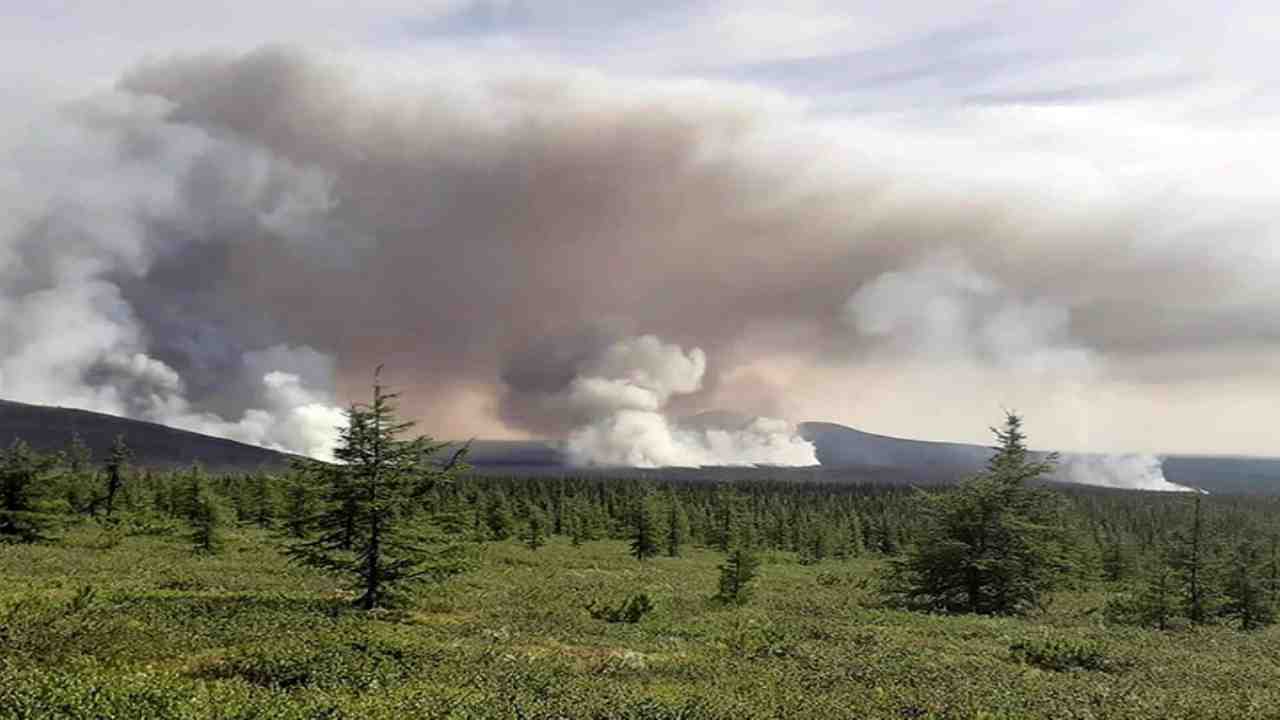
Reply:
x=1063, y=655
x=632, y=610
x=352, y=664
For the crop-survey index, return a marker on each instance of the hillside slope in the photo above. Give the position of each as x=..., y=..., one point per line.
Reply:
x=50, y=429
x=845, y=454
x=841, y=446
x=844, y=447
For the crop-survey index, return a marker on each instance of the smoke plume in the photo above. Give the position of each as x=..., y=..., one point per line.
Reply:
x=1129, y=472
x=942, y=307
x=232, y=243
x=622, y=394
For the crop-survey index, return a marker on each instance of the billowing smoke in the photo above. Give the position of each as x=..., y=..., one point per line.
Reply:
x=102, y=211
x=942, y=307
x=233, y=243
x=621, y=395
x=945, y=309
x=1129, y=472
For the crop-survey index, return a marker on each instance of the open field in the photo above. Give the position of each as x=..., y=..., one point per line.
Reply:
x=161, y=632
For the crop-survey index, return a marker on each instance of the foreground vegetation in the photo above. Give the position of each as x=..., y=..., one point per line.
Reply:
x=140, y=626
x=389, y=584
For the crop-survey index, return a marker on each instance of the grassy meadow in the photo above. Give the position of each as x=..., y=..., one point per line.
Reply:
x=101, y=625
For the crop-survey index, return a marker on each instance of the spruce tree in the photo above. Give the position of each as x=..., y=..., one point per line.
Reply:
x=187, y=490
x=817, y=541
x=644, y=531
x=737, y=573
x=78, y=490
x=535, y=531
x=992, y=545
x=1115, y=559
x=115, y=468
x=581, y=521
x=1273, y=568
x=726, y=521
x=368, y=529
x=299, y=504
x=1155, y=601
x=575, y=530
x=677, y=525
x=262, y=500
x=207, y=518
x=22, y=515
x=1192, y=559
x=498, y=518
x=886, y=537
x=1245, y=594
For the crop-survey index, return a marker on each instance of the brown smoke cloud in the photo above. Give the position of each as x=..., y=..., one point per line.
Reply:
x=488, y=237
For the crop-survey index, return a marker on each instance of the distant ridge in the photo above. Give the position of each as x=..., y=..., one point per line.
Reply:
x=50, y=429
x=845, y=454
x=841, y=446
x=844, y=447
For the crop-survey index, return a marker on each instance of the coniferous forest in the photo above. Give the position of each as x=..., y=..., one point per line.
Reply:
x=395, y=582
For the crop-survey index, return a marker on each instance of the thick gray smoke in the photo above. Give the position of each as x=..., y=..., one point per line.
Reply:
x=232, y=244
x=101, y=210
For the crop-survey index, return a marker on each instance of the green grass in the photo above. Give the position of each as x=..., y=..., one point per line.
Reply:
x=165, y=633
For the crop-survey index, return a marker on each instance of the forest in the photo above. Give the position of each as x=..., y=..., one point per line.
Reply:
x=395, y=581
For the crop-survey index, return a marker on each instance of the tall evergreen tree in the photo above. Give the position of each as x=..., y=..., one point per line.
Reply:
x=207, y=517
x=575, y=520
x=535, y=530
x=1245, y=590
x=262, y=499
x=1273, y=568
x=993, y=545
x=677, y=525
x=299, y=505
x=117, y=459
x=852, y=545
x=368, y=530
x=1115, y=558
x=737, y=574
x=1192, y=560
x=726, y=521
x=22, y=474
x=1155, y=601
x=77, y=479
x=817, y=543
x=644, y=531
x=498, y=517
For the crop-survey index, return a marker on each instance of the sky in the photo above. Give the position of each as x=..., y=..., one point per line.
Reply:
x=591, y=224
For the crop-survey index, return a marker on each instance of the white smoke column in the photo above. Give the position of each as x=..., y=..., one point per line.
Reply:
x=1128, y=472
x=293, y=418
x=624, y=392
x=69, y=337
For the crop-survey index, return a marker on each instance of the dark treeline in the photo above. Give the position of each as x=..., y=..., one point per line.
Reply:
x=1167, y=557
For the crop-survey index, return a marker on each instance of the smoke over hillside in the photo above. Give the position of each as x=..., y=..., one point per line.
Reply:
x=230, y=244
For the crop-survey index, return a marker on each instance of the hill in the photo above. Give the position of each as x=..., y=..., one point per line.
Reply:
x=840, y=446
x=50, y=429
x=844, y=447
x=845, y=454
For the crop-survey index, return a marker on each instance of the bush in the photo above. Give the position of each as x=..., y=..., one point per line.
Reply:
x=843, y=579
x=147, y=524
x=1062, y=655
x=632, y=610
x=757, y=641
x=356, y=664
